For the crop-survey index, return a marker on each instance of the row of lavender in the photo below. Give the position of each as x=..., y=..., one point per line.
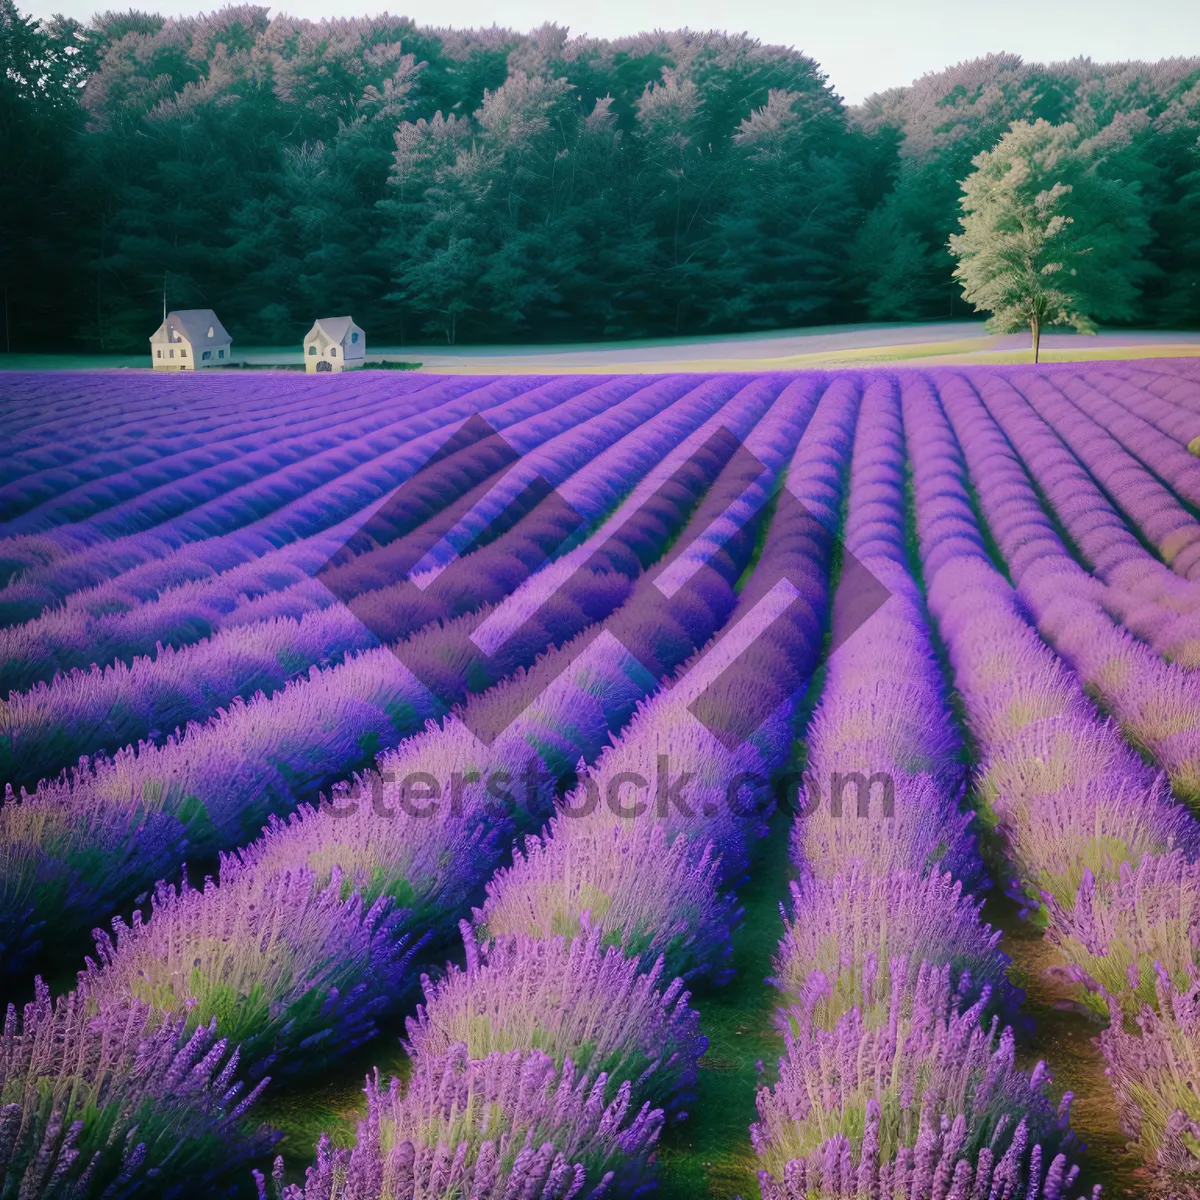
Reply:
x=52, y=563
x=588, y=447
x=49, y=728
x=212, y=787
x=286, y=943
x=277, y=530
x=569, y=948
x=175, y=929
x=94, y=1072
x=565, y=874
x=1094, y=840
x=437, y=398
x=350, y=917
x=897, y=1077
x=974, y=1103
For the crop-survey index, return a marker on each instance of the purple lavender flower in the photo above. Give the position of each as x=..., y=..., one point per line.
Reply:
x=1153, y=1073
x=648, y=894
x=1090, y=519
x=509, y=1125
x=90, y=1103
x=573, y=999
x=845, y=937
x=288, y=967
x=928, y=1100
x=1123, y=936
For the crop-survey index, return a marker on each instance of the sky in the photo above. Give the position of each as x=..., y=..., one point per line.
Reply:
x=864, y=46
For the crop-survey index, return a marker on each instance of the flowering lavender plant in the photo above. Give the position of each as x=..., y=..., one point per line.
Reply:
x=1153, y=1072
x=572, y=998
x=287, y=968
x=847, y=935
x=928, y=1104
x=1122, y=937
x=1065, y=792
x=508, y=1125
x=116, y=1104
x=647, y=894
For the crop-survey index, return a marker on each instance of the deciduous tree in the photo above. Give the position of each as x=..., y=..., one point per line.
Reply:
x=1047, y=239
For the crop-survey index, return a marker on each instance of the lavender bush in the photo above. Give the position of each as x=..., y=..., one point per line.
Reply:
x=286, y=968
x=1079, y=812
x=930, y=1104
x=572, y=998
x=114, y=1105
x=508, y=1125
x=1124, y=937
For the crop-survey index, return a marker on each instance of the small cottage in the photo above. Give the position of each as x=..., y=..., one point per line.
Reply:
x=334, y=343
x=190, y=340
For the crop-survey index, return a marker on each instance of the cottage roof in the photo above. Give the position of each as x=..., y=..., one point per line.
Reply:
x=194, y=324
x=334, y=328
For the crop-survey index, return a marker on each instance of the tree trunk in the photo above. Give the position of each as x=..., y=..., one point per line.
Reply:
x=1037, y=336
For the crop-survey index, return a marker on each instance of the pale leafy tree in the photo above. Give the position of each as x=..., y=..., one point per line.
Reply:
x=1047, y=238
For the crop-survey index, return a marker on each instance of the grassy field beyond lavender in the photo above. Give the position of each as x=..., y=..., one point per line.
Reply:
x=714, y=783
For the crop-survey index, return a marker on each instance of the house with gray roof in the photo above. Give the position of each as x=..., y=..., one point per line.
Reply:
x=190, y=340
x=333, y=344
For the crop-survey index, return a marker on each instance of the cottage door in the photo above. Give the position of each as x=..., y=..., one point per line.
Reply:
x=324, y=366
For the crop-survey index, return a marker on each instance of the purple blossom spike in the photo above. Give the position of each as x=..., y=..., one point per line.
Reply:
x=572, y=998
x=93, y=1102
x=289, y=967
x=913, y=1099
x=1152, y=1066
x=1121, y=935
x=512, y=1124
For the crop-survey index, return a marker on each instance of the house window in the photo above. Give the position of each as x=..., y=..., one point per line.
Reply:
x=220, y=353
x=206, y=355
x=312, y=349
x=172, y=353
x=333, y=352
x=159, y=353
x=210, y=331
x=183, y=354
x=354, y=339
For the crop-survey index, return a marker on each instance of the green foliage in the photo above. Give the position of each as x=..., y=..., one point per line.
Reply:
x=897, y=273
x=448, y=186
x=1142, y=120
x=1047, y=238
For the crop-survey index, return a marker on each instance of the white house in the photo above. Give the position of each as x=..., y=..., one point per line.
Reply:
x=190, y=340
x=334, y=343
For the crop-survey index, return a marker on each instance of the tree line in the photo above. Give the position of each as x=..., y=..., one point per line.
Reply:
x=483, y=185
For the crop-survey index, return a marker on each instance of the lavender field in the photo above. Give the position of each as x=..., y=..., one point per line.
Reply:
x=700, y=784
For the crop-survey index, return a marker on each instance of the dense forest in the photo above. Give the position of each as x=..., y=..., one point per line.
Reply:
x=479, y=186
